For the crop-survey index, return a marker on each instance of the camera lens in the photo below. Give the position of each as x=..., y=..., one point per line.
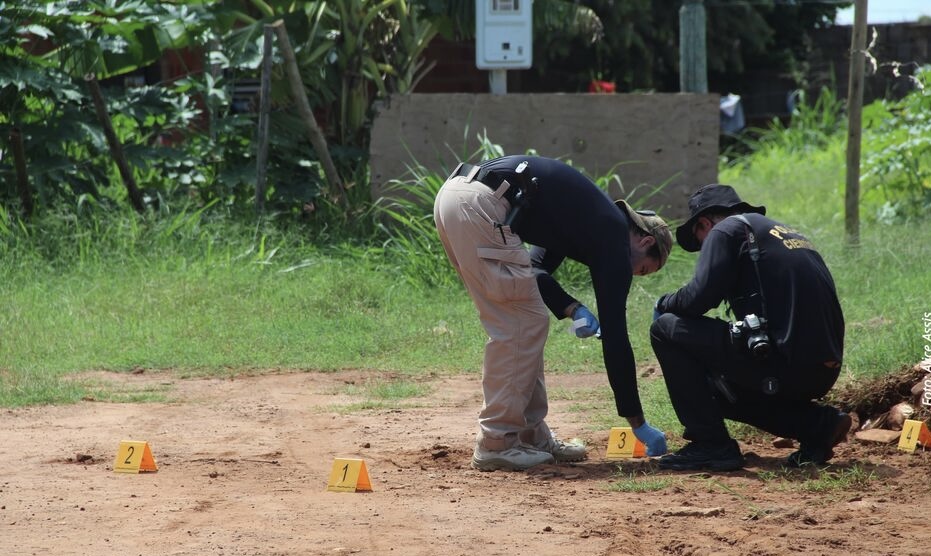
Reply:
x=758, y=345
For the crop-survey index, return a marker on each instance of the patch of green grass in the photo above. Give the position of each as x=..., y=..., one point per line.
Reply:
x=371, y=405
x=575, y=394
x=118, y=393
x=851, y=478
x=389, y=390
x=821, y=481
x=35, y=388
x=643, y=483
x=767, y=476
x=19, y=388
x=383, y=394
x=806, y=192
x=748, y=433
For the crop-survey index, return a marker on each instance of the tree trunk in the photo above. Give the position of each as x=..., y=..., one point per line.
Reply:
x=854, y=125
x=313, y=130
x=116, y=149
x=265, y=103
x=22, y=176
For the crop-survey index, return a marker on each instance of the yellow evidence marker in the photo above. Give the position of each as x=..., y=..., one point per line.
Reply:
x=349, y=475
x=623, y=444
x=134, y=456
x=914, y=433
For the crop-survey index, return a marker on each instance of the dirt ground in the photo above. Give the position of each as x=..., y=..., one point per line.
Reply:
x=244, y=463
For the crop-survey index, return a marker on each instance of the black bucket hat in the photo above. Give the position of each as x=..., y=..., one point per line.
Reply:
x=709, y=197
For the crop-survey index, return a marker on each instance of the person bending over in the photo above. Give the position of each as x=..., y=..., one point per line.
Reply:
x=484, y=215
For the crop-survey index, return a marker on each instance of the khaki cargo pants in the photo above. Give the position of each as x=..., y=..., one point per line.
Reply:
x=496, y=270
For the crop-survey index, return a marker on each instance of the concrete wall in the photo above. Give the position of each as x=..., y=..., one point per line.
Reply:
x=649, y=139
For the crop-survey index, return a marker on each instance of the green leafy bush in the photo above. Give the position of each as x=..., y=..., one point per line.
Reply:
x=811, y=127
x=898, y=162
x=190, y=140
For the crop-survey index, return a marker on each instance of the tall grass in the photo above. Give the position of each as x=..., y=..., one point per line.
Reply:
x=202, y=292
x=811, y=126
x=412, y=241
x=406, y=219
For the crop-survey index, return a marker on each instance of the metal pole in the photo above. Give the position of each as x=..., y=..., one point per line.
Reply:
x=498, y=81
x=693, y=64
x=854, y=128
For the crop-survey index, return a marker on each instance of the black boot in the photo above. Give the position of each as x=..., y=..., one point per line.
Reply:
x=704, y=455
x=831, y=431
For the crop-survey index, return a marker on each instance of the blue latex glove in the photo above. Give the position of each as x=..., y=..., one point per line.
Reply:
x=654, y=439
x=591, y=323
x=656, y=311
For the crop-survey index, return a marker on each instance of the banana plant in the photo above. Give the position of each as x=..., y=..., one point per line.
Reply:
x=383, y=44
x=406, y=65
x=349, y=51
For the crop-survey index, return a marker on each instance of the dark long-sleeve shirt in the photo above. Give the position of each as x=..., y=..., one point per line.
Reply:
x=805, y=318
x=571, y=217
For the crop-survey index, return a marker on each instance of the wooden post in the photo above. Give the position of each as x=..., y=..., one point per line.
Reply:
x=693, y=55
x=854, y=125
x=22, y=175
x=303, y=105
x=216, y=71
x=265, y=104
x=116, y=149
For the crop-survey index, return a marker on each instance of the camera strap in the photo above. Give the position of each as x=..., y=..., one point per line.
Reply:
x=770, y=384
x=755, y=257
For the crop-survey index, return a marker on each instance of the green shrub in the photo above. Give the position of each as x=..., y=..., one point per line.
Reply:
x=898, y=161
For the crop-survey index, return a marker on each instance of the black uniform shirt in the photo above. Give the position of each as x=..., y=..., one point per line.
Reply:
x=571, y=217
x=805, y=318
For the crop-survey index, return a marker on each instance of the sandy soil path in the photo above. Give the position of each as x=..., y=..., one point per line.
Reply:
x=243, y=466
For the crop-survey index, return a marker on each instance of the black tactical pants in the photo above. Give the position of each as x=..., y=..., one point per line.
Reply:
x=693, y=352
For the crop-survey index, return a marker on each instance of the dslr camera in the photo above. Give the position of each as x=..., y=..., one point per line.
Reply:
x=752, y=330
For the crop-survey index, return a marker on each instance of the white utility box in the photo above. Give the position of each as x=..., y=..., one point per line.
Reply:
x=503, y=34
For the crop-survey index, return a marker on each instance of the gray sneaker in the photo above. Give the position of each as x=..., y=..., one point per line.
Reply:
x=566, y=451
x=516, y=458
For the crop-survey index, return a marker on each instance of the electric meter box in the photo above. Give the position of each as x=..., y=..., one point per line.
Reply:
x=503, y=34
